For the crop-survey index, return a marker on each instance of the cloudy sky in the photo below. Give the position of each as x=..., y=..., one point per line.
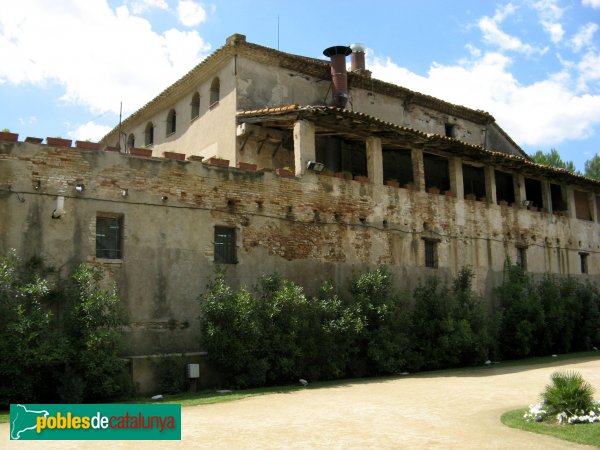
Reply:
x=533, y=64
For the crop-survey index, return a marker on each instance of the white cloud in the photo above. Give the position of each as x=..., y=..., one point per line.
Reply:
x=90, y=130
x=589, y=70
x=544, y=113
x=141, y=6
x=591, y=3
x=584, y=36
x=190, y=13
x=99, y=55
x=492, y=34
x=550, y=14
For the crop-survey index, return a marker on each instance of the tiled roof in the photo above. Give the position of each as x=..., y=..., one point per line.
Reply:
x=429, y=140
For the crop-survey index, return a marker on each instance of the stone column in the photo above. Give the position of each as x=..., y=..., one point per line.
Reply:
x=519, y=186
x=490, y=184
x=418, y=169
x=374, y=160
x=304, y=145
x=546, y=196
x=457, y=184
x=569, y=195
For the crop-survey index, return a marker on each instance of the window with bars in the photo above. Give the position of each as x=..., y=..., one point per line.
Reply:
x=225, y=248
x=109, y=237
x=583, y=257
x=430, y=253
x=522, y=257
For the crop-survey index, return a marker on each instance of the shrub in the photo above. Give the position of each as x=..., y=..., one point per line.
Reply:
x=448, y=325
x=522, y=314
x=92, y=324
x=568, y=393
x=171, y=373
x=28, y=344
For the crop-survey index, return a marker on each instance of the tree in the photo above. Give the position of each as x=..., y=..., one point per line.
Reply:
x=592, y=167
x=553, y=159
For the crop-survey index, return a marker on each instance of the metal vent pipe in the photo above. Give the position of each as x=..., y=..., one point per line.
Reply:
x=357, y=60
x=339, y=76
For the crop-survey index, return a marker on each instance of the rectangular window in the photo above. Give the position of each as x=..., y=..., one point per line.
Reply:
x=109, y=237
x=522, y=257
x=225, y=248
x=584, y=262
x=430, y=253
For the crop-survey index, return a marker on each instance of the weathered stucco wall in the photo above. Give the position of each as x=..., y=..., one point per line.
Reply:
x=309, y=229
x=261, y=86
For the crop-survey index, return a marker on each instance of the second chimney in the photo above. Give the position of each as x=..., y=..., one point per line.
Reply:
x=339, y=77
x=357, y=60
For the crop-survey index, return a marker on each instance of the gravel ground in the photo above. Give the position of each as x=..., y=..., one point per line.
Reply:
x=451, y=410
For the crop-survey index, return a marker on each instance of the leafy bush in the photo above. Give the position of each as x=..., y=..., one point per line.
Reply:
x=27, y=341
x=171, y=372
x=522, y=314
x=568, y=393
x=448, y=324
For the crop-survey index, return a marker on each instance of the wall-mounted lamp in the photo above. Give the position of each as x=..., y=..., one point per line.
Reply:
x=315, y=166
x=164, y=198
x=79, y=188
x=59, y=211
x=124, y=193
x=37, y=185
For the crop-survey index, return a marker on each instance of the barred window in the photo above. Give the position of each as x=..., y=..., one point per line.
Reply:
x=109, y=233
x=584, y=262
x=430, y=253
x=522, y=257
x=225, y=248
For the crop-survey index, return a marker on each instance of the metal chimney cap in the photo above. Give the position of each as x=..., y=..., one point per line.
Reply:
x=337, y=50
x=358, y=47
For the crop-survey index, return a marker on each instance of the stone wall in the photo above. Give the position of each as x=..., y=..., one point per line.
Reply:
x=309, y=228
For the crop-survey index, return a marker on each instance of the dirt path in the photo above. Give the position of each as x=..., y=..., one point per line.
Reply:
x=458, y=410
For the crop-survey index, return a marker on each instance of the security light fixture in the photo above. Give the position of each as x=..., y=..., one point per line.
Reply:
x=124, y=192
x=315, y=166
x=79, y=188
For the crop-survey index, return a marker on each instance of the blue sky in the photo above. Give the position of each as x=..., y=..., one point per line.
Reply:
x=533, y=64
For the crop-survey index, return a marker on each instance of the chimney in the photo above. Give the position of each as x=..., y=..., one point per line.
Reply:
x=357, y=60
x=339, y=76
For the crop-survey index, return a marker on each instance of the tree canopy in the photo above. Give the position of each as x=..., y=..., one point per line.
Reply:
x=553, y=159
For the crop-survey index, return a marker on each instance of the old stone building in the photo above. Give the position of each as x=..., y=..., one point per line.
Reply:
x=265, y=161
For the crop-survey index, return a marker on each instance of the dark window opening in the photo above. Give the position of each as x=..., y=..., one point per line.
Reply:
x=397, y=165
x=582, y=206
x=558, y=201
x=522, y=257
x=109, y=234
x=583, y=257
x=225, y=248
x=449, y=129
x=215, y=91
x=195, y=105
x=131, y=141
x=342, y=155
x=149, y=134
x=597, y=209
x=436, y=172
x=430, y=253
x=533, y=192
x=171, y=122
x=474, y=180
x=505, y=189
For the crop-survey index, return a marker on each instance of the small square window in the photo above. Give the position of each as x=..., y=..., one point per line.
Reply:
x=109, y=237
x=584, y=262
x=225, y=245
x=449, y=129
x=430, y=253
x=522, y=257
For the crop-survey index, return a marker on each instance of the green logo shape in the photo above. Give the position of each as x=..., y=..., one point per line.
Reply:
x=95, y=422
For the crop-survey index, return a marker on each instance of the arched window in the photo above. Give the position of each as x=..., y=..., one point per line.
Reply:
x=195, y=105
x=215, y=89
x=171, y=122
x=131, y=141
x=149, y=134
